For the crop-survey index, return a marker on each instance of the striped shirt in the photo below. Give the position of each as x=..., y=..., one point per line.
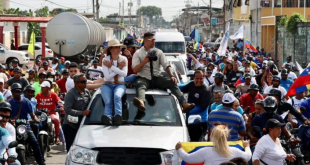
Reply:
x=230, y=118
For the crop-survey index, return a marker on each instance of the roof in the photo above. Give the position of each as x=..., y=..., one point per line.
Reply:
x=25, y=19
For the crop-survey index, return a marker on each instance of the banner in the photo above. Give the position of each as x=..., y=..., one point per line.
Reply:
x=223, y=47
x=238, y=34
x=31, y=44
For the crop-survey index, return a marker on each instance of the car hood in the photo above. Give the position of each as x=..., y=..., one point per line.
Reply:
x=20, y=52
x=96, y=136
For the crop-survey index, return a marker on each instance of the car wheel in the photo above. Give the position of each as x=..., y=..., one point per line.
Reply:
x=39, y=57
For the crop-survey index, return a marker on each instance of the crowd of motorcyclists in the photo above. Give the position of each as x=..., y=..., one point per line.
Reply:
x=240, y=95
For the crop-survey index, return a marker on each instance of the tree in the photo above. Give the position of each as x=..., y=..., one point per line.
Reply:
x=150, y=11
x=35, y=26
x=60, y=10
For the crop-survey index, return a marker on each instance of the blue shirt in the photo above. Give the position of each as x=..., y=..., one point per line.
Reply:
x=61, y=67
x=26, y=108
x=233, y=120
x=286, y=84
x=306, y=104
x=239, y=44
x=213, y=106
x=261, y=120
x=240, y=110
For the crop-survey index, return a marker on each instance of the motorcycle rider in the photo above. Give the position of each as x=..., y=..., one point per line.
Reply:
x=304, y=131
x=248, y=99
x=21, y=107
x=29, y=94
x=218, y=84
x=18, y=78
x=5, y=140
x=62, y=82
x=260, y=120
x=5, y=113
x=275, y=85
x=36, y=85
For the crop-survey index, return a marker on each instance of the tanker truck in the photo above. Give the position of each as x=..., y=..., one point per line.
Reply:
x=71, y=34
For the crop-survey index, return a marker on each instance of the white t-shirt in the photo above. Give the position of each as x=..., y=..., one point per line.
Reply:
x=198, y=65
x=109, y=73
x=6, y=93
x=296, y=102
x=11, y=129
x=208, y=155
x=95, y=74
x=69, y=84
x=211, y=79
x=283, y=91
x=268, y=151
x=292, y=76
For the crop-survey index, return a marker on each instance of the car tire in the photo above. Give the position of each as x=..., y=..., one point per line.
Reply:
x=39, y=57
x=9, y=62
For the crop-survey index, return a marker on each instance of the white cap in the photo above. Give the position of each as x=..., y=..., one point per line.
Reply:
x=265, y=61
x=228, y=98
x=45, y=84
x=2, y=80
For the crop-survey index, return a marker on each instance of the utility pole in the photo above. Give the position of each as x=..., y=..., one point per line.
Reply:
x=198, y=16
x=211, y=19
x=123, y=13
x=129, y=11
x=119, y=12
x=97, y=10
x=138, y=14
x=94, y=17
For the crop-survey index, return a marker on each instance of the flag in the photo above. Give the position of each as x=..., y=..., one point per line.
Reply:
x=191, y=147
x=239, y=81
x=299, y=68
x=222, y=49
x=197, y=46
x=238, y=34
x=302, y=80
x=31, y=44
x=249, y=45
x=192, y=35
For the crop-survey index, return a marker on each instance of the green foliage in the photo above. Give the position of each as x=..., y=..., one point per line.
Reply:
x=292, y=22
x=35, y=26
x=150, y=11
x=283, y=21
x=60, y=10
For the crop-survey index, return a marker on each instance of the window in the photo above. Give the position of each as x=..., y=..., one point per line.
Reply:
x=37, y=48
x=163, y=113
x=23, y=47
x=171, y=47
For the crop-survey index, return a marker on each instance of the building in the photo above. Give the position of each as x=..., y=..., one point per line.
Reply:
x=8, y=33
x=265, y=17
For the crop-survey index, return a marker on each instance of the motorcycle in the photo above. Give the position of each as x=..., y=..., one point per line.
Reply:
x=46, y=131
x=3, y=161
x=23, y=148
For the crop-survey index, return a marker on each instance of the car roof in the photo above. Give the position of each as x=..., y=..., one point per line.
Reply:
x=149, y=91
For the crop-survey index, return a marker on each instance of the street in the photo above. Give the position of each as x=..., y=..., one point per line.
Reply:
x=56, y=156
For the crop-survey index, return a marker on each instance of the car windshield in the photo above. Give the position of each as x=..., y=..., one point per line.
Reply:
x=162, y=113
x=179, y=66
x=4, y=47
x=171, y=47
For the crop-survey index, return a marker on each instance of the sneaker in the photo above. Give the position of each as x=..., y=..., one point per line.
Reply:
x=106, y=120
x=118, y=120
x=187, y=107
x=139, y=104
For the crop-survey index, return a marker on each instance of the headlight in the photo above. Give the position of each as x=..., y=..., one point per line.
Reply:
x=43, y=117
x=83, y=155
x=27, y=55
x=167, y=158
x=21, y=129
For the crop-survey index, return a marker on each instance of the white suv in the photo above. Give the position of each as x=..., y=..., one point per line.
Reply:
x=143, y=137
x=38, y=51
x=7, y=56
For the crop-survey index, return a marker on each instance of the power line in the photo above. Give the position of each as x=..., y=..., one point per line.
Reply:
x=57, y=4
x=23, y=4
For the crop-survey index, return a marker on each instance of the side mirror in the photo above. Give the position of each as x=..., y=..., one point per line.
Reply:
x=13, y=144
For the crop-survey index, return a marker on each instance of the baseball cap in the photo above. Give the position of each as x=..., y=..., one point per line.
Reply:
x=228, y=98
x=276, y=78
x=1, y=80
x=45, y=63
x=272, y=123
x=95, y=62
x=45, y=84
x=284, y=71
x=17, y=70
x=67, y=62
x=247, y=76
x=247, y=62
x=265, y=62
x=62, y=58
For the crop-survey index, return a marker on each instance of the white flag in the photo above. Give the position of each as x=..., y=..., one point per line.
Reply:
x=223, y=47
x=238, y=34
x=300, y=69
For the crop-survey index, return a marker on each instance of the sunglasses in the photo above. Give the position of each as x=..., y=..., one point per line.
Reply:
x=83, y=82
x=150, y=39
x=17, y=91
x=5, y=117
x=42, y=77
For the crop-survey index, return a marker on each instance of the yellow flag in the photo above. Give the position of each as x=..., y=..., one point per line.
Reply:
x=31, y=44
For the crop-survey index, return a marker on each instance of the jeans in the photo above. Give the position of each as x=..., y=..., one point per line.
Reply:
x=302, y=135
x=115, y=92
x=15, y=163
x=130, y=78
x=70, y=134
x=36, y=148
x=35, y=129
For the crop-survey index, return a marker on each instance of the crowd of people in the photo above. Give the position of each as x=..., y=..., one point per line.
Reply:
x=232, y=93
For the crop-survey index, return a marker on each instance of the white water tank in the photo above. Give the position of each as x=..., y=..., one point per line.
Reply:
x=76, y=31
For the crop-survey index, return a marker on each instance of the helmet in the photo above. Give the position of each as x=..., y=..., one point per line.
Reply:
x=65, y=71
x=31, y=71
x=284, y=72
x=50, y=74
x=82, y=56
x=67, y=63
x=270, y=105
x=17, y=70
x=219, y=75
x=16, y=86
x=42, y=73
x=45, y=63
x=254, y=87
x=5, y=106
x=275, y=92
x=56, y=59
x=29, y=88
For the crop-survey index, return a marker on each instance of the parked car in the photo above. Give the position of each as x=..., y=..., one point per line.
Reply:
x=7, y=56
x=143, y=137
x=38, y=51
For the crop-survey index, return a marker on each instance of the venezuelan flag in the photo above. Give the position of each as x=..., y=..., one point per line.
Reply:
x=191, y=147
x=249, y=45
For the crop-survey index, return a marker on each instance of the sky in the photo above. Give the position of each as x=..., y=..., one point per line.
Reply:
x=170, y=8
